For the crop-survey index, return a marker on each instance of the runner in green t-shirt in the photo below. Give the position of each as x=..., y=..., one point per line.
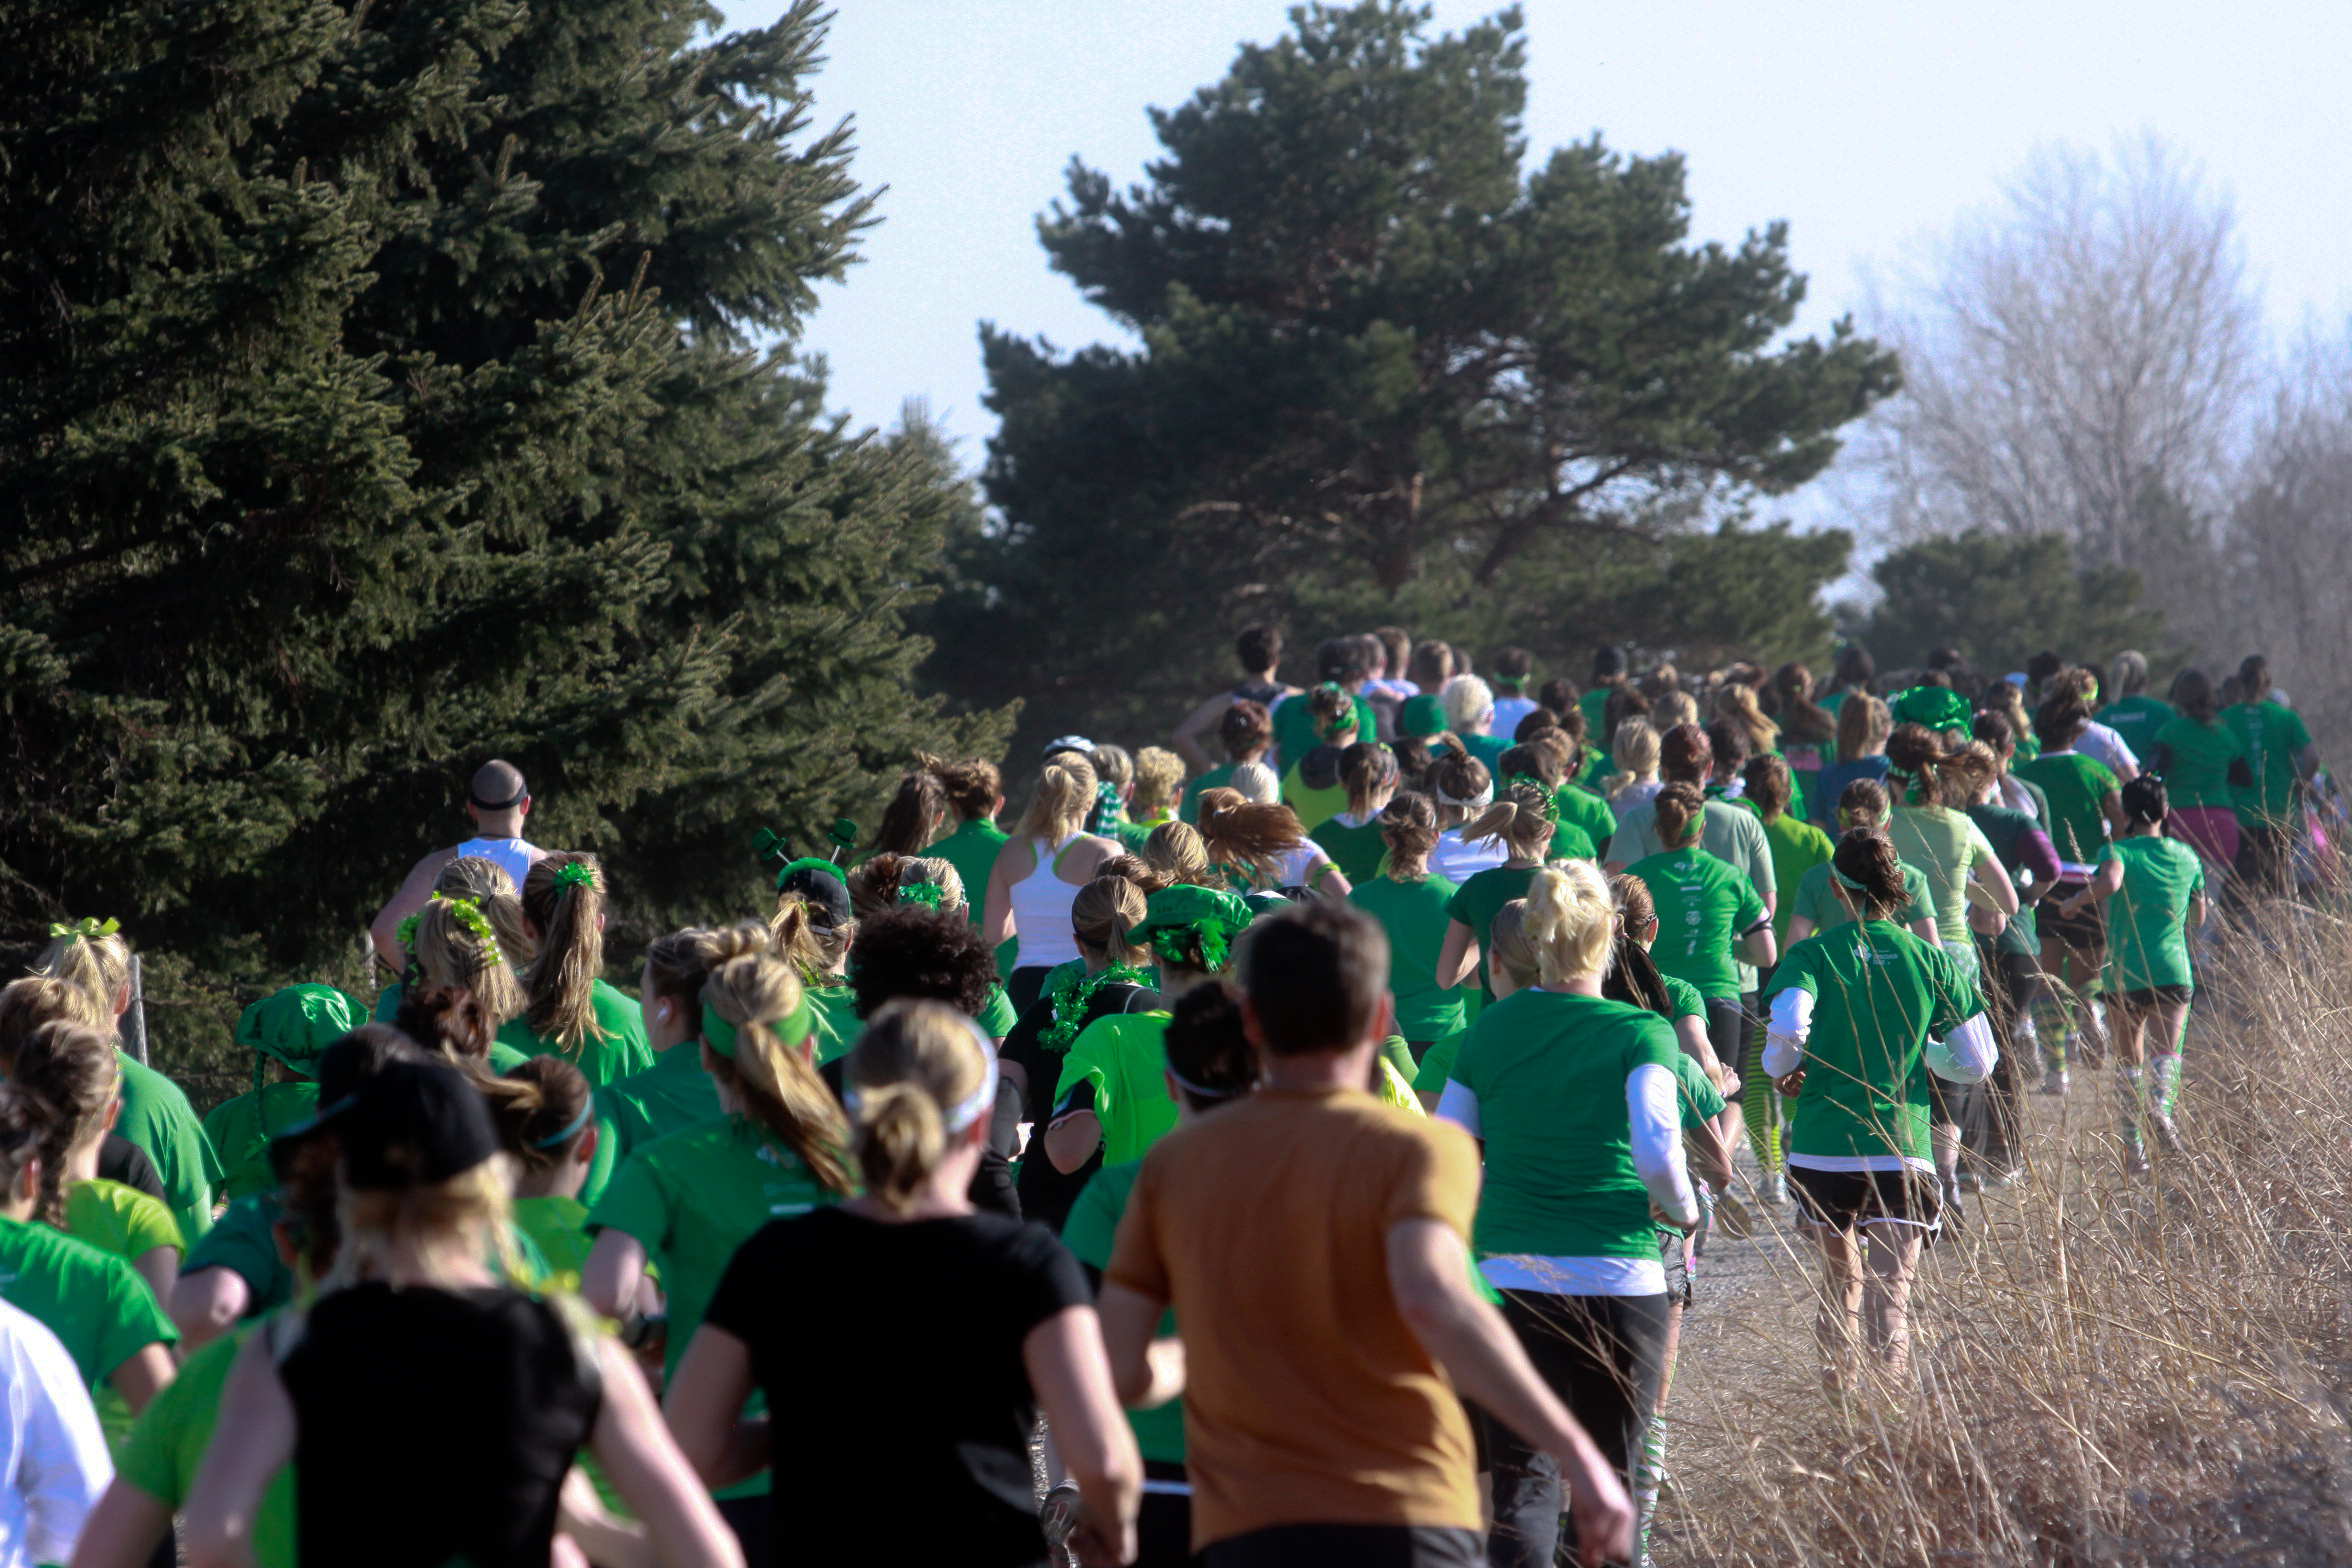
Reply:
x=569, y=1009
x=2204, y=767
x=2130, y=712
x=1341, y=662
x=975, y=793
x=93, y=1301
x=1111, y=1096
x=285, y=1031
x=1410, y=903
x=92, y=957
x=1861, y=1016
x=1797, y=845
x=547, y=1121
x=1312, y=786
x=1208, y=1063
x=1353, y=837
x=687, y=1200
x=2158, y=888
x=1520, y=822
x=2281, y=757
x=1576, y=1104
x=157, y=1464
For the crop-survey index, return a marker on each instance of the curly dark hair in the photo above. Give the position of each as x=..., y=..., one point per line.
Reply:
x=915, y=952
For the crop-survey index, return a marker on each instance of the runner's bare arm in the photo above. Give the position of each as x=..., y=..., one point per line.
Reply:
x=1069, y=1370
x=206, y=1304
x=608, y=1280
x=1147, y=1372
x=1429, y=1272
x=252, y=1441
x=384, y=930
x=1199, y=722
x=636, y=1452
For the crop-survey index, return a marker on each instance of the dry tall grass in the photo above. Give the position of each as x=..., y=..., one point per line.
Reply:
x=2107, y=1371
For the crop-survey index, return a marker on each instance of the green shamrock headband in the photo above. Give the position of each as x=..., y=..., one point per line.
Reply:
x=467, y=913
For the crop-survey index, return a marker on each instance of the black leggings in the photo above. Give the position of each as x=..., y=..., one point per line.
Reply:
x=1604, y=1356
x=2013, y=982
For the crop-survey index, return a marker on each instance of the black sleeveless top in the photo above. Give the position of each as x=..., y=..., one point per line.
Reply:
x=434, y=1426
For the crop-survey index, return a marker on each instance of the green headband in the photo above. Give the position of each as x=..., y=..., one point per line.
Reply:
x=794, y=1027
x=1845, y=881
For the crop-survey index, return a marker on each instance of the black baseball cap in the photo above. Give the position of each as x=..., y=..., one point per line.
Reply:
x=822, y=886
x=413, y=1125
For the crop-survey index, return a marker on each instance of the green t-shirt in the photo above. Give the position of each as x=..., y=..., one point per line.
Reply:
x=1701, y=1101
x=2197, y=763
x=2145, y=931
x=240, y=1131
x=2004, y=828
x=1479, y=901
x=1576, y=807
x=120, y=1220
x=92, y=1300
x=245, y=1243
x=1089, y=1233
x=673, y=1094
x=1683, y=999
x=1703, y=906
x=1879, y=994
x=1294, y=730
x=157, y=1117
x=1797, y=847
x=971, y=849
x=1817, y=899
x=691, y=1198
x=167, y=1443
x=1218, y=777
x=559, y=1228
x=1118, y=1061
x=1356, y=849
x=1946, y=845
x=2273, y=736
x=1414, y=916
x=613, y=1050
x=2138, y=719
x=1550, y=1070
x=2078, y=787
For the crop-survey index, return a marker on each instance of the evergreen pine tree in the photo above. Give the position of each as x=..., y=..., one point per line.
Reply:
x=381, y=390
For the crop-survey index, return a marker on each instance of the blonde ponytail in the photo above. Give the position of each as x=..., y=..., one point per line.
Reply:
x=453, y=947
x=1521, y=821
x=770, y=1079
x=93, y=959
x=1569, y=921
x=917, y=1065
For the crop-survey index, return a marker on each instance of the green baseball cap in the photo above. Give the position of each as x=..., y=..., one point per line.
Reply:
x=1936, y=707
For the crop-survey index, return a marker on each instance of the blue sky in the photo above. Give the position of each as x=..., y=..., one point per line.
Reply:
x=1868, y=126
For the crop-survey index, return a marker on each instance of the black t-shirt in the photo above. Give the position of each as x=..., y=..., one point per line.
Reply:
x=434, y=1426
x=892, y=1356
x=121, y=1160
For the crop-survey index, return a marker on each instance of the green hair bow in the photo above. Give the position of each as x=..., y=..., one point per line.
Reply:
x=87, y=929
x=575, y=873
x=929, y=894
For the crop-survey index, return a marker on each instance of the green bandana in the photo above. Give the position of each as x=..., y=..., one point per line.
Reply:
x=722, y=1036
x=1180, y=917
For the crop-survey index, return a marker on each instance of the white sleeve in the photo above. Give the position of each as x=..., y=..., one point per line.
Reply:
x=1784, y=1034
x=1966, y=1055
x=1459, y=1105
x=1653, y=1104
x=62, y=1467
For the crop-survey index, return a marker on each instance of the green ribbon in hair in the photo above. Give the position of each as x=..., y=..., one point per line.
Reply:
x=575, y=873
x=466, y=913
x=87, y=929
x=929, y=894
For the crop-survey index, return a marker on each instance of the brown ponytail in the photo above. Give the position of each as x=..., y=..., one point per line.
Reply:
x=1869, y=859
x=972, y=786
x=1681, y=809
x=1520, y=821
x=27, y=1004
x=912, y=816
x=541, y=1106
x=1770, y=785
x=1102, y=914
x=1409, y=827
x=1368, y=770
x=69, y=1077
x=569, y=912
x=1236, y=831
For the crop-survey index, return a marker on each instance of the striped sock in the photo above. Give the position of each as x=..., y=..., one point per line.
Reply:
x=2165, y=1068
x=1648, y=1472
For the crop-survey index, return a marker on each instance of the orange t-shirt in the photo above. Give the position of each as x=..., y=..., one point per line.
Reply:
x=1308, y=1399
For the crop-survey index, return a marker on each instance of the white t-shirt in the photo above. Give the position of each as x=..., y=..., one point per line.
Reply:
x=1508, y=712
x=1297, y=866
x=2101, y=744
x=53, y=1463
x=1458, y=862
x=514, y=855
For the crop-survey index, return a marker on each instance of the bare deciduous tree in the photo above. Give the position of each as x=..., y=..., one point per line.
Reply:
x=2075, y=362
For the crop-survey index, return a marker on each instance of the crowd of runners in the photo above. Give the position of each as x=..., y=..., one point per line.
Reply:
x=1294, y=1145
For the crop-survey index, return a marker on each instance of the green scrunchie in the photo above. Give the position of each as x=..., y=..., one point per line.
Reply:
x=575, y=873
x=929, y=894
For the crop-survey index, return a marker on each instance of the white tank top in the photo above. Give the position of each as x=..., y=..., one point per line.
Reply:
x=1041, y=910
x=513, y=854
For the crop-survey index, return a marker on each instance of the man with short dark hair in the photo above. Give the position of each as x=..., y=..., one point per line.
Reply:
x=1313, y=1242
x=1260, y=651
x=1609, y=671
x=1508, y=674
x=498, y=800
